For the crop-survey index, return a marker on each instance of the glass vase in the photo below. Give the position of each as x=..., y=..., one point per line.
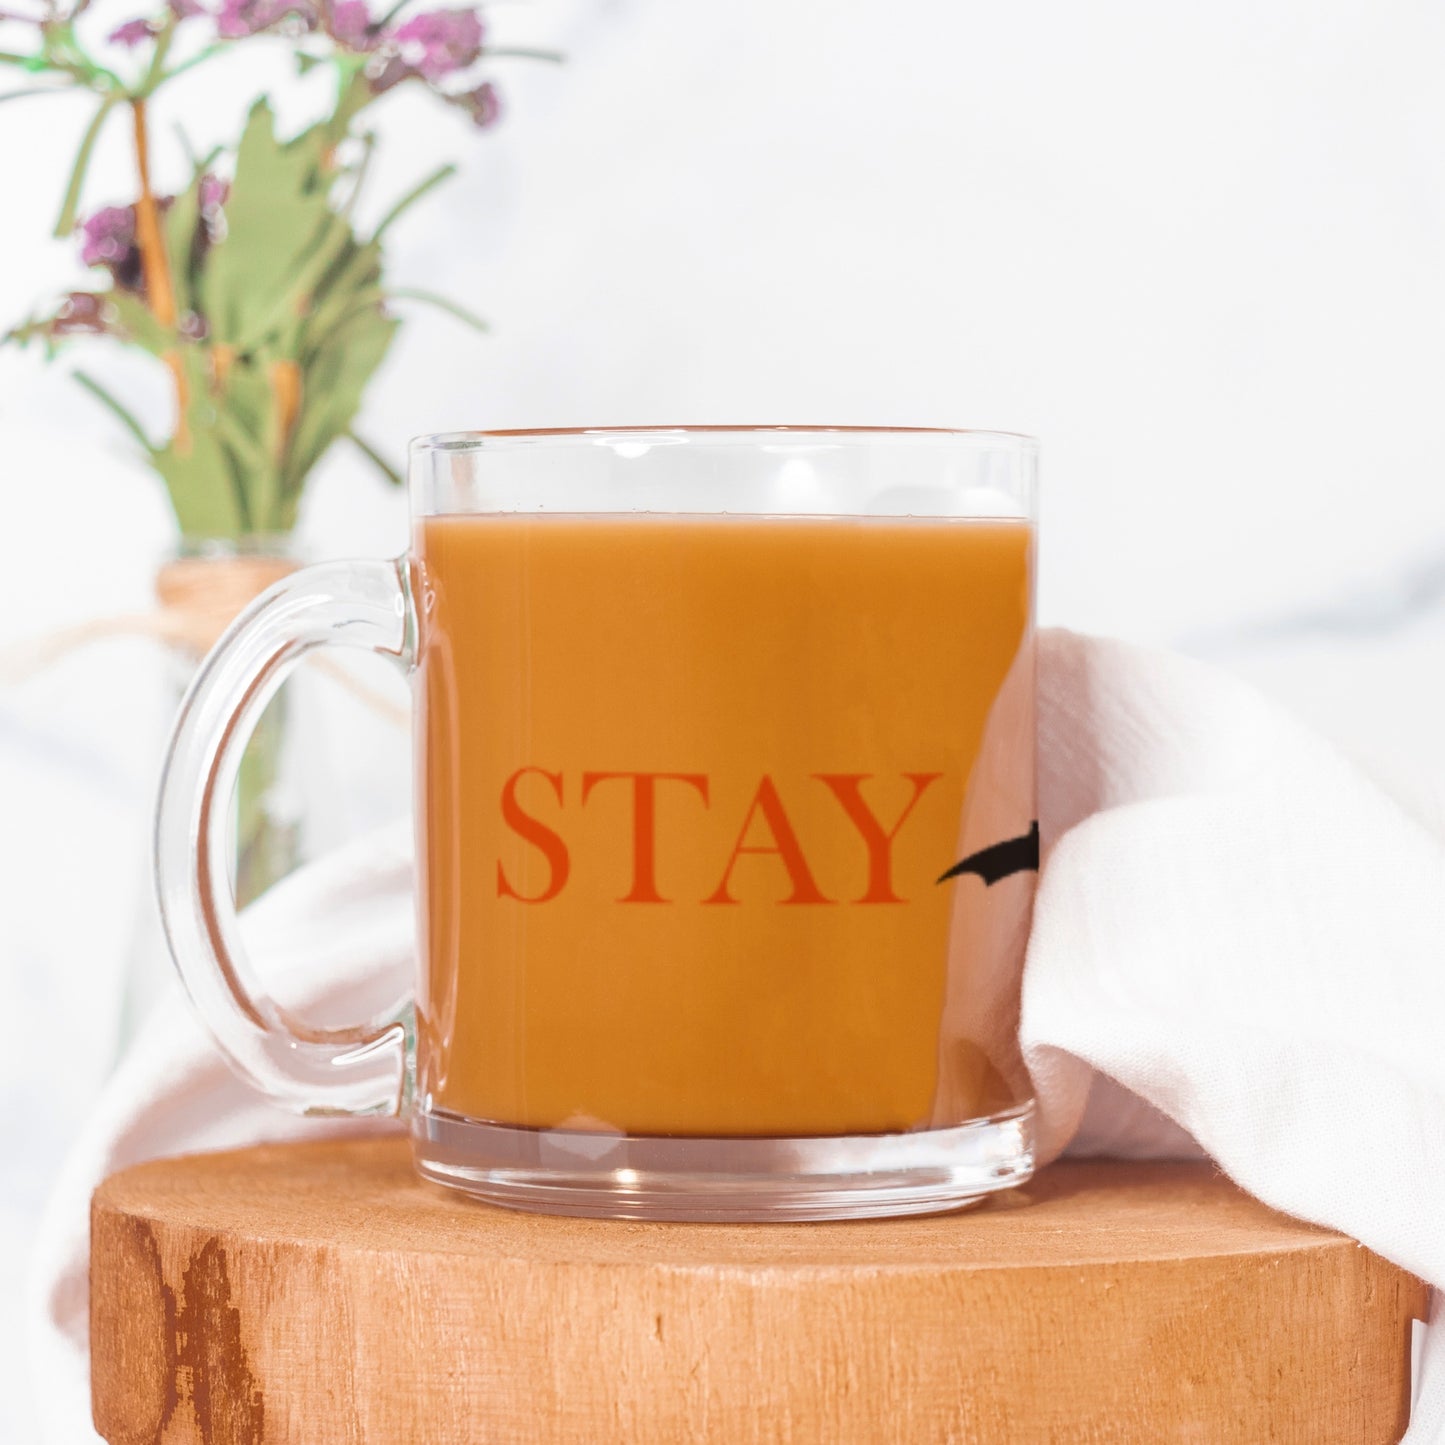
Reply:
x=201, y=588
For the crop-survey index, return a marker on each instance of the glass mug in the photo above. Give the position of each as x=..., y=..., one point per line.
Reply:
x=725, y=820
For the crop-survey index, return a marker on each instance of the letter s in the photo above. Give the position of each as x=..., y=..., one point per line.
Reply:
x=548, y=843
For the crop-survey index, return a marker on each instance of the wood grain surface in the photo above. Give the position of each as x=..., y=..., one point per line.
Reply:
x=320, y=1294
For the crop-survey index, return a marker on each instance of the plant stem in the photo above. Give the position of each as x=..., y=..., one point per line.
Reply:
x=156, y=73
x=430, y=298
x=154, y=262
x=358, y=179
x=156, y=267
x=71, y=204
x=523, y=52
x=285, y=379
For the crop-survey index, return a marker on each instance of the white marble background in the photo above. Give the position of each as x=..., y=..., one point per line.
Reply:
x=1200, y=250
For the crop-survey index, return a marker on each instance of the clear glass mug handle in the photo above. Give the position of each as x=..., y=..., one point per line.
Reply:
x=359, y=1070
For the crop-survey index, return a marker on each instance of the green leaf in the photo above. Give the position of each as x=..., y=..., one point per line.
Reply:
x=206, y=494
x=333, y=381
x=353, y=95
x=281, y=233
x=31, y=329
x=139, y=323
x=430, y=298
x=291, y=302
x=207, y=488
x=190, y=63
x=355, y=277
x=115, y=407
x=179, y=226
x=199, y=164
x=523, y=52
x=64, y=53
x=65, y=224
x=357, y=173
x=251, y=454
x=32, y=90
x=317, y=338
x=388, y=471
x=156, y=71
x=209, y=483
x=436, y=178
x=52, y=327
x=353, y=283
x=187, y=149
x=246, y=418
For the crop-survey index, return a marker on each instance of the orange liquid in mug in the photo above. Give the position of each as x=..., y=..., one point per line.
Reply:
x=686, y=787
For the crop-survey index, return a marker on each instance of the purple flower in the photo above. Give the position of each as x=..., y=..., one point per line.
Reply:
x=236, y=19
x=80, y=312
x=131, y=34
x=211, y=196
x=108, y=237
x=214, y=192
x=483, y=104
x=351, y=25
x=186, y=9
x=239, y=18
x=437, y=43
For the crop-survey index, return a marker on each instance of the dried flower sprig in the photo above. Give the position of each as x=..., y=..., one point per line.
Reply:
x=251, y=284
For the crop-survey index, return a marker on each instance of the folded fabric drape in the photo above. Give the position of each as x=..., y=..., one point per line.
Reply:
x=1238, y=949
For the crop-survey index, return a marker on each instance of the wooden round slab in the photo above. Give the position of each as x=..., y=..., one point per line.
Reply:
x=320, y=1294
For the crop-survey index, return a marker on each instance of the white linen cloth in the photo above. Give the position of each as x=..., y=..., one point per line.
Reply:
x=1238, y=940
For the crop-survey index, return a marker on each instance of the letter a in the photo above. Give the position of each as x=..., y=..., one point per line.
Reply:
x=785, y=846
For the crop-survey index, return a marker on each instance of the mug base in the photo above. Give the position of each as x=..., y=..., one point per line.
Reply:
x=618, y=1176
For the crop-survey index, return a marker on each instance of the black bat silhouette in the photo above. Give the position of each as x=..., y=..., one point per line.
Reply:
x=1014, y=855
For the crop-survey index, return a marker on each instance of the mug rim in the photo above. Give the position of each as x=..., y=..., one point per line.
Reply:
x=541, y=436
